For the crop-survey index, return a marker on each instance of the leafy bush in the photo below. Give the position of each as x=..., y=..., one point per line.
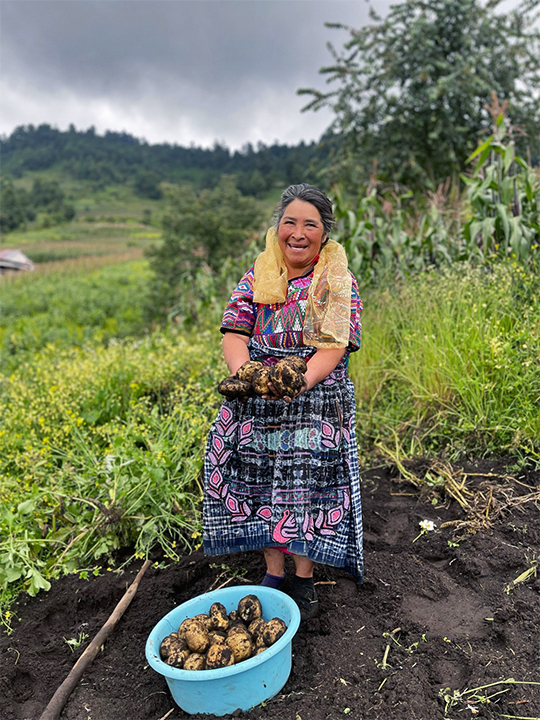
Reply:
x=201, y=232
x=102, y=449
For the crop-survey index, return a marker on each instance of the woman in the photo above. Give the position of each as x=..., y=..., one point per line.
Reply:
x=281, y=474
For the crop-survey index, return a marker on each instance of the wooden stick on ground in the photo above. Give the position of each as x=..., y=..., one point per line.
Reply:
x=60, y=697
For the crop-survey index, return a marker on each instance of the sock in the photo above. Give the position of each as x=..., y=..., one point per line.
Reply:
x=273, y=581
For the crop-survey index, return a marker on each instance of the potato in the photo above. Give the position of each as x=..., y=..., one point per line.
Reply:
x=217, y=607
x=259, y=642
x=195, y=661
x=238, y=625
x=275, y=628
x=249, y=608
x=177, y=657
x=286, y=379
x=205, y=620
x=217, y=637
x=248, y=370
x=168, y=643
x=197, y=637
x=219, y=656
x=261, y=379
x=232, y=387
x=218, y=617
x=241, y=644
x=184, y=625
x=297, y=362
x=256, y=627
x=233, y=616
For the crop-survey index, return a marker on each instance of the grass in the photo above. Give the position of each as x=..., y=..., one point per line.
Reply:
x=67, y=308
x=118, y=201
x=450, y=364
x=82, y=239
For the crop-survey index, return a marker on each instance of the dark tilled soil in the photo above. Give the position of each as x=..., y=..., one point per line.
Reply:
x=445, y=606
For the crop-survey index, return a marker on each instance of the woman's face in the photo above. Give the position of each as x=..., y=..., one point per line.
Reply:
x=300, y=236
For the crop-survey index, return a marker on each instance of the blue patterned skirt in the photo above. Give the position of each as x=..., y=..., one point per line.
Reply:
x=280, y=474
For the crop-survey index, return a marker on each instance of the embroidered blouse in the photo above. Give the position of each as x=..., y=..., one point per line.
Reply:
x=281, y=324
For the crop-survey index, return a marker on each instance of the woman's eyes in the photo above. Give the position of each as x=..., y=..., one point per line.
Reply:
x=291, y=222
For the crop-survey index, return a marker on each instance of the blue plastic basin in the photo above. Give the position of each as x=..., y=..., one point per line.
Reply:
x=242, y=686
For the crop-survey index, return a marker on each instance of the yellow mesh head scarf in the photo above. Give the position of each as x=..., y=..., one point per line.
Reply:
x=328, y=311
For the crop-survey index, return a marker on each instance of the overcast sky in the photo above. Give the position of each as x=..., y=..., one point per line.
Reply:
x=182, y=71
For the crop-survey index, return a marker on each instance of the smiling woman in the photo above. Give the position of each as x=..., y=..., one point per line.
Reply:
x=281, y=468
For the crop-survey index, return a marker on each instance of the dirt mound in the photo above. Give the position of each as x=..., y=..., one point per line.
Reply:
x=437, y=616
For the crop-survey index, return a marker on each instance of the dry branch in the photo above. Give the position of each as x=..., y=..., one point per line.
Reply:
x=60, y=697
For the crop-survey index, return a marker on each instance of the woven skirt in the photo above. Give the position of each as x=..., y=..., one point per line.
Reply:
x=280, y=474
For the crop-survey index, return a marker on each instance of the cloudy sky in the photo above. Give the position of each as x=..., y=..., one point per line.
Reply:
x=183, y=71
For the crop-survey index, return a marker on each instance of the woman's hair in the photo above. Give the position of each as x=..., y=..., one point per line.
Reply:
x=310, y=194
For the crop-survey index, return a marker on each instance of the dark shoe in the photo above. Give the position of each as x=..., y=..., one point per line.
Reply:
x=305, y=596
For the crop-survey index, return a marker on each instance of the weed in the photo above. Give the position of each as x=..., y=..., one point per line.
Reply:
x=75, y=643
x=477, y=695
x=426, y=526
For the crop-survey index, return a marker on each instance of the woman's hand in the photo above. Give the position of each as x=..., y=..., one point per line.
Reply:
x=275, y=396
x=319, y=367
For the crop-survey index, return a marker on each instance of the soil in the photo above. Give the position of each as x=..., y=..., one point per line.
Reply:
x=437, y=617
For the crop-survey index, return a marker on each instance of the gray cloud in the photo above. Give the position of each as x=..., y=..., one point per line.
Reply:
x=177, y=70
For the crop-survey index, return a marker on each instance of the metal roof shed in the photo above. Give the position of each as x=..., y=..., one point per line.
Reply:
x=14, y=260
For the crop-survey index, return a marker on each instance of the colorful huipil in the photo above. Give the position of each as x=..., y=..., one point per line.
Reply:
x=283, y=474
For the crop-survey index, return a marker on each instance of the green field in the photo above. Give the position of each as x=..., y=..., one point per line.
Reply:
x=105, y=412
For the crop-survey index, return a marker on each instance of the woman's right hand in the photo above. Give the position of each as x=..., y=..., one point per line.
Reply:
x=287, y=398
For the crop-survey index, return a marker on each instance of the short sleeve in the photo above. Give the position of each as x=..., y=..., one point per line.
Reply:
x=240, y=313
x=355, y=335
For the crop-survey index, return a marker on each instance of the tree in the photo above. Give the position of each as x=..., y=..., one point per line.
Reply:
x=13, y=207
x=146, y=185
x=412, y=88
x=200, y=230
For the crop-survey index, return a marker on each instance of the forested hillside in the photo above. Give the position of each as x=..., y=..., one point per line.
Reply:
x=118, y=157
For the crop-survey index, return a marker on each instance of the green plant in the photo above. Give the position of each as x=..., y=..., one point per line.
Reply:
x=504, y=198
x=449, y=363
x=70, y=310
x=75, y=643
x=102, y=449
x=390, y=234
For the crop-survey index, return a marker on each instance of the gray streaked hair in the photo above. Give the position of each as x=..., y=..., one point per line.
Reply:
x=310, y=194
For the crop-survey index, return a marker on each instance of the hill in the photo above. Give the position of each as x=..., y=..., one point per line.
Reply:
x=120, y=158
x=51, y=176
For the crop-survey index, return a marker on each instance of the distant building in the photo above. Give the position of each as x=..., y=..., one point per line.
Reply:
x=14, y=260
